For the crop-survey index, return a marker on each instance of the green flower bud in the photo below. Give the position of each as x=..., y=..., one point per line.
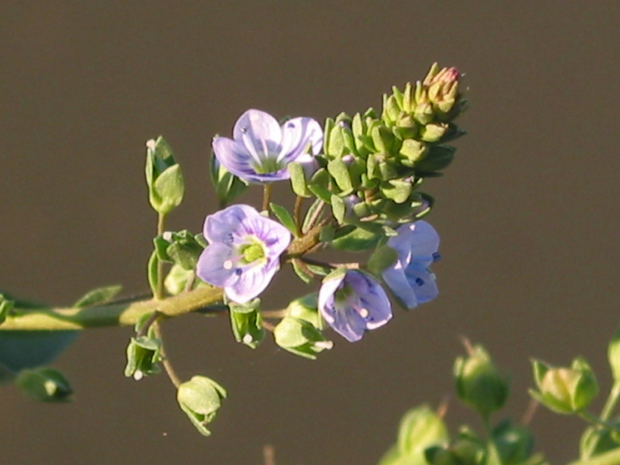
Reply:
x=44, y=385
x=442, y=88
x=419, y=429
x=247, y=323
x=513, y=443
x=300, y=337
x=163, y=176
x=201, y=398
x=564, y=390
x=143, y=357
x=305, y=308
x=479, y=384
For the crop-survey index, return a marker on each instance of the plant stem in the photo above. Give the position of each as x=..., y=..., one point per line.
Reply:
x=266, y=197
x=111, y=315
x=174, y=379
x=587, y=416
x=128, y=313
x=299, y=200
x=612, y=400
x=608, y=458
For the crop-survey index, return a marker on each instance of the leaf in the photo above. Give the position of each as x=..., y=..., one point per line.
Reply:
x=20, y=350
x=98, y=296
x=285, y=217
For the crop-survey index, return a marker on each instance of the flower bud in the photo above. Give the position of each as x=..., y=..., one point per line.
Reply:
x=163, y=177
x=300, y=337
x=442, y=87
x=44, y=385
x=201, y=398
x=247, y=323
x=305, y=308
x=419, y=429
x=513, y=443
x=479, y=383
x=143, y=357
x=564, y=390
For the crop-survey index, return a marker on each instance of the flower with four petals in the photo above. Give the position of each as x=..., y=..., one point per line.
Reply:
x=352, y=302
x=243, y=253
x=409, y=277
x=261, y=148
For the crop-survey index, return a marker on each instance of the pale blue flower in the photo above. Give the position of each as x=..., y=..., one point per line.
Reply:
x=409, y=278
x=243, y=253
x=260, y=148
x=352, y=302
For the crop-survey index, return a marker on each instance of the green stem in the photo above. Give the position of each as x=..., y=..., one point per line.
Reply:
x=111, y=315
x=174, y=378
x=299, y=200
x=266, y=197
x=587, y=416
x=128, y=313
x=611, y=402
x=608, y=458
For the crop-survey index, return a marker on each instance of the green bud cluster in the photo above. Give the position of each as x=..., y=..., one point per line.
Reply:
x=374, y=164
x=143, y=352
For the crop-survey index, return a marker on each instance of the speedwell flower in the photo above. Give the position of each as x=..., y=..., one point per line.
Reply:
x=352, y=302
x=243, y=253
x=409, y=277
x=260, y=148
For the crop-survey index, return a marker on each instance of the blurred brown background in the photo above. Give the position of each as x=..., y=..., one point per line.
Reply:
x=528, y=213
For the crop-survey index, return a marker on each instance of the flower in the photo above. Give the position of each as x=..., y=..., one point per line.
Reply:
x=243, y=252
x=352, y=302
x=409, y=277
x=261, y=148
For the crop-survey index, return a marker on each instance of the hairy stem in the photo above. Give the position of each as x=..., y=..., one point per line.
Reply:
x=111, y=315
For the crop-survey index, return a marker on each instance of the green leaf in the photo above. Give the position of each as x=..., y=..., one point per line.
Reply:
x=170, y=188
x=357, y=240
x=285, y=217
x=98, y=296
x=44, y=385
x=312, y=215
x=340, y=172
x=339, y=209
x=21, y=350
x=152, y=271
x=613, y=355
x=298, y=179
x=320, y=192
x=381, y=258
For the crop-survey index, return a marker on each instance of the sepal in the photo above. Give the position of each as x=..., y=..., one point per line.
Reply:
x=163, y=177
x=300, y=337
x=201, y=398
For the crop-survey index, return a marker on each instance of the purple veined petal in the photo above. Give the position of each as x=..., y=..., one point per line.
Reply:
x=260, y=133
x=378, y=306
x=396, y=280
x=271, y=233
x=252, y=281
x=422, y=239
x=327, y=291
x=422, y=282
x=347, y=323
x=234, y=157
x=299, y=134
x=210, y=267
x=223, y=225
